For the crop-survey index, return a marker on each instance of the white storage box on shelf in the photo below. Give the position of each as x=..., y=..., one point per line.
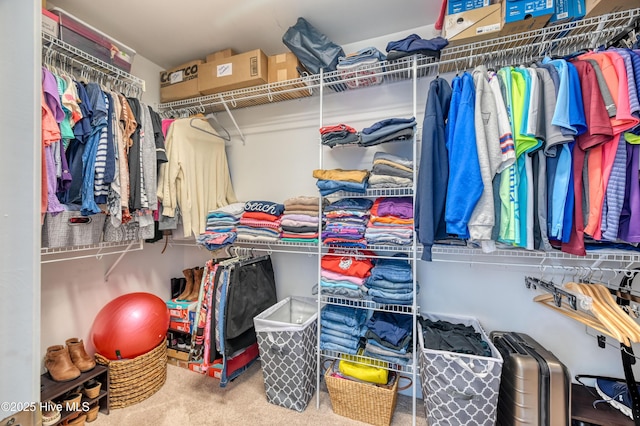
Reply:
x=287, y=338
x=459, y=389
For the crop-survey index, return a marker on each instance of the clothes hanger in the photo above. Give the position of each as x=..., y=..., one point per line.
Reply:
x=207, y=120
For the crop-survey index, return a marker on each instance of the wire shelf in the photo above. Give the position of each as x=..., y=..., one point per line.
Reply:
x=408, y=369
x=374, y=192
x=368, y=304
x=559, y=39
x=48, y=255
x=86, y=62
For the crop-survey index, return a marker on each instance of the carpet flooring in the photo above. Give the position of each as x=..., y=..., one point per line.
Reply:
x=189, y=398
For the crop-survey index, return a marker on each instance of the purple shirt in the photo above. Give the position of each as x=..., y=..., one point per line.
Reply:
x=401, y=207
x=629, y=229
x=51, y=95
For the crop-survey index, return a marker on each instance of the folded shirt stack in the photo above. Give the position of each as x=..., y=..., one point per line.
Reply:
x=261, y=221
x=388, y=130
x=221, y=226
x=361, y=69
x=391, y=281
x=344, y=276
x=391, y=221
x=300, y=221
x=389, y=337
x=334, y=180
x=390, y=171
x=342, y=328
x=345, y=222
x=339, y=135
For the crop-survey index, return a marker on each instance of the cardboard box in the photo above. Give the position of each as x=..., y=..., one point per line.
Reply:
x=602, y=7
x=180, y=82
x=236, y=72
x=180, y=355
x=473, y=25
x=283, y=67
x=50, y=23
x=220, y=54
x=178, y=362
x=184, y=326
x=458, y=6
x=567, y=11
x=525, y=15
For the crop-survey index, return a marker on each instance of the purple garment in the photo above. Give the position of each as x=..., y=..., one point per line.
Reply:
x=53, y=204
x=51, y=95
x=401, y=207
x=64, y=181
x=629, y=229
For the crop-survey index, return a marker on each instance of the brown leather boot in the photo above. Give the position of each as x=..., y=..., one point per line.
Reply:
x=79, y=356
x=197, y=282
x=188, y=274
x=59, y=364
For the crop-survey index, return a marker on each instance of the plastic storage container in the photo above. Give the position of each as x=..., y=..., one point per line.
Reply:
x=287, y=337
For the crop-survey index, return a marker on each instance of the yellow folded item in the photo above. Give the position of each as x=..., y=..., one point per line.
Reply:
x=357, y=176
x=366, y=373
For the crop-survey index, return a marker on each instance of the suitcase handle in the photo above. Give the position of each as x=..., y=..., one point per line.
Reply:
x=470, y=366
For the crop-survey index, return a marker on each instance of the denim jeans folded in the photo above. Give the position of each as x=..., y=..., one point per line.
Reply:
x=391, y=291
x=350, y=203
x=327, y=187
x=375, y=346
x=391, y=297
x=346, y=315
x=351, y=342
x=329, y=346
x=398, y=275
x=354, y=330
x=391, y=359
x=390, y=285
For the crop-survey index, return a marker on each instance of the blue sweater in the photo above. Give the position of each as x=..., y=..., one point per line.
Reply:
x=434, y=168
x=465, y=181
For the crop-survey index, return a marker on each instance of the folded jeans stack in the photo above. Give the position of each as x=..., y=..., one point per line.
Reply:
x=330, y=181
x=221, y=226
x=391, y=281
x=345, y=222
x=389, y=337
x=261, y=221
x=391, y=221
x=361, y=69
x=388, y=130
x=342, y=328
x=391, y=171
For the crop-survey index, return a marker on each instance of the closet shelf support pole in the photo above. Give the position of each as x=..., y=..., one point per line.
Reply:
x=111, y=269
x=226, y=107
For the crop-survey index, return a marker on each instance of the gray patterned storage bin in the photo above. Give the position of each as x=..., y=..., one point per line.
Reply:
x=287, y=338
x=459, y=389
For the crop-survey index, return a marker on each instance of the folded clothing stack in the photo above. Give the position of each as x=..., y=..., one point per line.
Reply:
x=415, y=45
x=360, y=69
x=345, y=222
x=300, y=221
x=339, y=135
x=388, y=130
x=343, y=275
x=334, y=180
x=221, y=226
x=261, y=221
x=391, y=221
x=342, y=328
x=389, y=337
x=391, y=171
x=446, y=336
x=391, y=281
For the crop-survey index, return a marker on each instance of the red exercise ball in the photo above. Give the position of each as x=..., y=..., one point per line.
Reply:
x=130, y=325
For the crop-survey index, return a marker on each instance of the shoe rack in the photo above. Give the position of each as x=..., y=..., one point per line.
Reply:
x=50, y=390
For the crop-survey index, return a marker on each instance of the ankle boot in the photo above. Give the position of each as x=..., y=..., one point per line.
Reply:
x=175, y=287
x=197, y=282
x=79, y=356
x=59, y=364
x=188, y=288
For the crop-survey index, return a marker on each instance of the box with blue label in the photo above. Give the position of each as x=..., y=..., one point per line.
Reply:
x=526, y=15
x=457, y=6
x=567, y=11
x=473, y=25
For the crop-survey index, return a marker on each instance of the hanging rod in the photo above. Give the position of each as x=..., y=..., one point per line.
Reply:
x=85, y=61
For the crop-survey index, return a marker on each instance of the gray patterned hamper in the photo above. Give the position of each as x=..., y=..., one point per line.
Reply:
x=287, y=338
x=459, y=389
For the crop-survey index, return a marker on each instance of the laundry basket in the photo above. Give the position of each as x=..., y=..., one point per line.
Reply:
x=134, y=380
x=459, y=389
x=287, y=338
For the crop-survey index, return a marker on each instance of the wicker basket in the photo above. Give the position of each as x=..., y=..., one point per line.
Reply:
x=362, y=401
x=134, y=380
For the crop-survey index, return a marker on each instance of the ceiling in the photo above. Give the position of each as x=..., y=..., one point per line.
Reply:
x=169, y=32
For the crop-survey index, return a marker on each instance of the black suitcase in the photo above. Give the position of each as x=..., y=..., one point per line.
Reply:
x=535, y=387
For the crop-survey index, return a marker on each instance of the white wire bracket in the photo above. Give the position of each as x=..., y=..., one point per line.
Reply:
x=226, y=107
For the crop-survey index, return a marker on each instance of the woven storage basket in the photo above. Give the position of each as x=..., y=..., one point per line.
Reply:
x=134, y=380
x=362, y=401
